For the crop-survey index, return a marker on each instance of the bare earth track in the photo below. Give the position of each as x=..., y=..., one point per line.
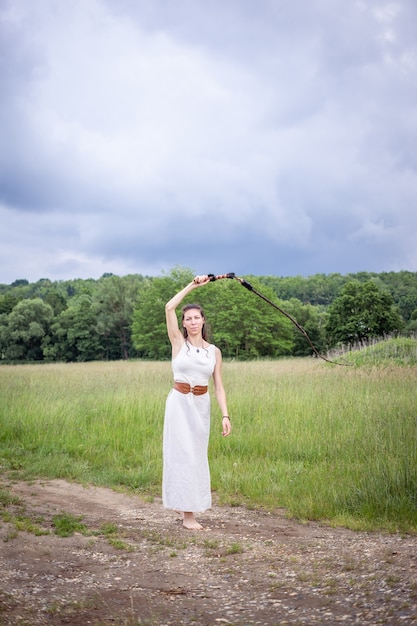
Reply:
x=245, y=568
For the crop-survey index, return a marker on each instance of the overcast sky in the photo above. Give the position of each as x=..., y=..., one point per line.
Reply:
x=267, y=137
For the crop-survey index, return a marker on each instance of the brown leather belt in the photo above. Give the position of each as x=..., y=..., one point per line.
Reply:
x=197, y=390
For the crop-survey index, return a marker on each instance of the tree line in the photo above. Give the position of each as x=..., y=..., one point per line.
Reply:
x=117, y=317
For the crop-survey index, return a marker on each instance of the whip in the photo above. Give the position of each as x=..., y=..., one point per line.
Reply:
x=250, y=287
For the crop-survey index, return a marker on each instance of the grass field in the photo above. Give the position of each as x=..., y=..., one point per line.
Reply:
x=325, y=442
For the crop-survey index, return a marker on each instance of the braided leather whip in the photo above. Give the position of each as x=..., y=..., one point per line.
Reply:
x=248, y=286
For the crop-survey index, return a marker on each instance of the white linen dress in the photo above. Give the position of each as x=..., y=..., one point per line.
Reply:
x=186, y=473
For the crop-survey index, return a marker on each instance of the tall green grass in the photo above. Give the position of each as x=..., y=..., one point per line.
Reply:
x=93, y=422
x=398, y=350
x=325, y=442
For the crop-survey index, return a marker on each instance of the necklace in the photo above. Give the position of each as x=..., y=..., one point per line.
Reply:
x=197, y=348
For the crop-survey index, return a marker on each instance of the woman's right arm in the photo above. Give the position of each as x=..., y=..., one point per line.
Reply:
x=174, y=333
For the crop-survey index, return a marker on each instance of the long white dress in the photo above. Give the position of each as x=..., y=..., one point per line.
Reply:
x=186, y=473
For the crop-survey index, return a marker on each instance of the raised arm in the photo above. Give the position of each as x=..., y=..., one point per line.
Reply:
x=174, y=332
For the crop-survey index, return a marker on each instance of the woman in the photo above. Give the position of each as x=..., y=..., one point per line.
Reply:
x=186, y=474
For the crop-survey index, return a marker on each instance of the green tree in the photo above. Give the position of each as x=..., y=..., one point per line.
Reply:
x=407, y=304
x=114, y=302
x=243, y=325
x=7, y=302
x=312, y=319
x=20, y=282
x=26, y=330
x=74, y=333
x=240, y=324
x=56, y=300
x=319, y=289
x=362, y=311
x=3, y=334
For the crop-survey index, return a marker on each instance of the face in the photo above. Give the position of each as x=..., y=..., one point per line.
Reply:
x=193, y=321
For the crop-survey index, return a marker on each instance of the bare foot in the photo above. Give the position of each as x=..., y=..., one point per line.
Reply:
x=189, y=522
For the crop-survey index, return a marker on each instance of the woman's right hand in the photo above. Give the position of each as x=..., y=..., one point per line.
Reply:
x=201, y=280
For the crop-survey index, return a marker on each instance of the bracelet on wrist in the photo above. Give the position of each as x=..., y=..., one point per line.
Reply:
x=226, y=417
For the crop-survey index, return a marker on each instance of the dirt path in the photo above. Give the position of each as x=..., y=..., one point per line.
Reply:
x=246, y=568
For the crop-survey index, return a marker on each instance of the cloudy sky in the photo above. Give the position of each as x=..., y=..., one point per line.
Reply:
x=271, y=137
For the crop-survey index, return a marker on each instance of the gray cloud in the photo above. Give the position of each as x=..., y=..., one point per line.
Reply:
x=267, y=138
